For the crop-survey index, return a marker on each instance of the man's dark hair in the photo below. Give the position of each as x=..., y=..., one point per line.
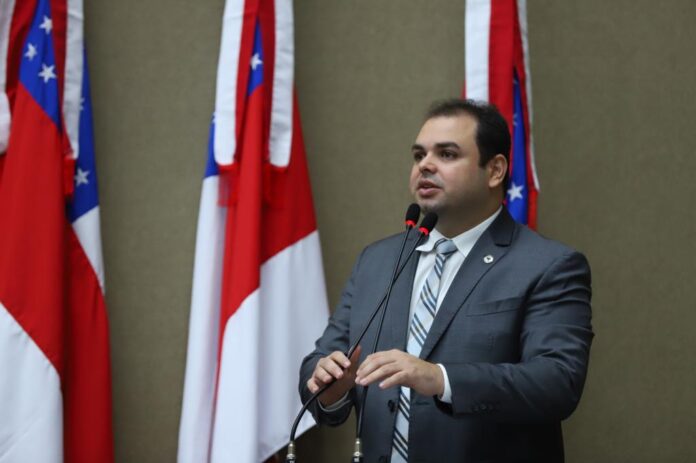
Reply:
x=492, y=133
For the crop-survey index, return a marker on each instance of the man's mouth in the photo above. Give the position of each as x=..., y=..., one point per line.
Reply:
x=426, y=188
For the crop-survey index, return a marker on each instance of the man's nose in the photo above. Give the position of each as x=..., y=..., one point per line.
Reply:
x=427, y=164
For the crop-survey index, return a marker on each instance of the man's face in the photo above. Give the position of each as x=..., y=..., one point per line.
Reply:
x=446, y=177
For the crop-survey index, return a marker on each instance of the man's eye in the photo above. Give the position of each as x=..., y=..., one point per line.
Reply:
x=418, y=156
x=448, y=154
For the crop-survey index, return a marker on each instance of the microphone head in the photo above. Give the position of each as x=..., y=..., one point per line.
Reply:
x=428, y=223
x=412, y=214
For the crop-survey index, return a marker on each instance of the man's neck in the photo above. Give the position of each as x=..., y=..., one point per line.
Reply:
x=451, y=228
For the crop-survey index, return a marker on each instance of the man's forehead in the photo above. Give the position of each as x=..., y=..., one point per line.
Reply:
x=447, y=129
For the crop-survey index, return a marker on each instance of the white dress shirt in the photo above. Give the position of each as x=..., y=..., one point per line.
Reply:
x=464, y=243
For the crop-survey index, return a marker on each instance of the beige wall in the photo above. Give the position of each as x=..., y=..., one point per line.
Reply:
x=614, y=105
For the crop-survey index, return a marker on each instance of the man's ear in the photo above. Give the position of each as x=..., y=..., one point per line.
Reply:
x=497, y=168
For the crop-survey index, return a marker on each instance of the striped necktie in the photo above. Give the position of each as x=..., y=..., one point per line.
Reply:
x=423, y=316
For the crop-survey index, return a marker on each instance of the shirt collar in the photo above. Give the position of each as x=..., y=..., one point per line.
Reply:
x=464, y=241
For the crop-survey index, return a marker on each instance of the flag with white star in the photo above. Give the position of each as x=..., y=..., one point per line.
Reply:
x=497, y=70
x=258, y=295
x=517, y=195
x=53, y=323
x=38, y=69
x=85, y=195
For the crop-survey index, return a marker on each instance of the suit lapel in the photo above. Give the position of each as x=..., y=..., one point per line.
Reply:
x=494, y=242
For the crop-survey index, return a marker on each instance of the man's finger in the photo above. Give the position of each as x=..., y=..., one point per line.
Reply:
x=368, y=365
x=378, y=374
x=374, y=361
x=397, y=379
x=340, y=358
x=324, y=375
x=331, y=367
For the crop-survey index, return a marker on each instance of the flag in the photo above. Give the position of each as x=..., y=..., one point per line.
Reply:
x=55, y=386
x=497, y=70
x=259, y=299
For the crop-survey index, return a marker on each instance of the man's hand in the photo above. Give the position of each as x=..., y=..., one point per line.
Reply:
x=335, y=367
x=397, y=368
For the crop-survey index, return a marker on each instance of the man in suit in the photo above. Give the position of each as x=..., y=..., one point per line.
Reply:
x=487, y=335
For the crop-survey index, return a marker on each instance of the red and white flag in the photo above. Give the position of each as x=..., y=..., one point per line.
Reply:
x=497, y=70
x=55, y=380
x=259, y=299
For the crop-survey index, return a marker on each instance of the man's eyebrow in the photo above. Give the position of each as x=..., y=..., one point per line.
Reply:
x=441, y=145
x=447, y=144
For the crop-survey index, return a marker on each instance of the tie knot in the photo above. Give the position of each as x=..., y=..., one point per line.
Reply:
x=445, y=247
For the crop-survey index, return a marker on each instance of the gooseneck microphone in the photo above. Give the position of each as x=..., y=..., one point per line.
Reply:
x=425, y=228
x=412, y=215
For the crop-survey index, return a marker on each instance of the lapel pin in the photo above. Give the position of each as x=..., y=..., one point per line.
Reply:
x=488, y=259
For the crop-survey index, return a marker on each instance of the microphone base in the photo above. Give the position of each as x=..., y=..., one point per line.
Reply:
x=357, y=453
x=290, y=457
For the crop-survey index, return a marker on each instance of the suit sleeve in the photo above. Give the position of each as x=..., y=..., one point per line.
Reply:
x=555, y=340
x=335, y=337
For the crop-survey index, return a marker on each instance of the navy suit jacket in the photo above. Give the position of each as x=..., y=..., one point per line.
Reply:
x=513, y=333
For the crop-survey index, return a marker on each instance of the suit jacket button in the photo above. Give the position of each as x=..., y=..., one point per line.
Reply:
x=391, y=405
x=483, y=407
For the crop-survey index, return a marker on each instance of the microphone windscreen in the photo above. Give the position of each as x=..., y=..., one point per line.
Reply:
x=412, y=214
x=428, y=223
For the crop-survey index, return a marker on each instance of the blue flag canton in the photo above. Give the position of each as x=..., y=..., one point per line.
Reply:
x=256, y=64
x=85, y=194
x=37, y=71
x=517, y=193
x=255, y=79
